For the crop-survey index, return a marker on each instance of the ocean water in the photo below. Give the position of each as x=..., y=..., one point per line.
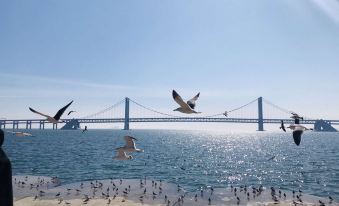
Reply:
x=189, y=158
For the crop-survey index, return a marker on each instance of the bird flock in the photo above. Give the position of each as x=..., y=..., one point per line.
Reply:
x=112, y=191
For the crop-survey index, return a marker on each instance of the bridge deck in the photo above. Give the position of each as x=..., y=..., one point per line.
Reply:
x=181, y=119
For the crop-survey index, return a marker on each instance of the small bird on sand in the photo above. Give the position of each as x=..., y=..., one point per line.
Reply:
x=57, y=116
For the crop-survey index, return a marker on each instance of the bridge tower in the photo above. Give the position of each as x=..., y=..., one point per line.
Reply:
x=260, y=115
x=126, y=125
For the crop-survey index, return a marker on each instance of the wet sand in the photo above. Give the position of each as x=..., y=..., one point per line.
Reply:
x=41, y=191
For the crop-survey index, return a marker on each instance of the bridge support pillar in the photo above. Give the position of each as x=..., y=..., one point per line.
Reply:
x=29, y=125
x=55, y=126
x=126, y=125
x=15, y=125
x=260, y=115
x=42, y=124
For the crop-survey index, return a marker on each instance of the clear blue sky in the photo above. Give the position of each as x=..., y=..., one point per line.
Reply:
x=232, y=51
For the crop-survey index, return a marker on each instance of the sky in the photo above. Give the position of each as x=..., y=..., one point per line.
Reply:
x=232, y=51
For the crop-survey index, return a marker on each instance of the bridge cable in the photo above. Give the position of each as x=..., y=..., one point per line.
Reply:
x=283, y=109
x=104, y=110
x=233, y=110
x=152, y=110
x=277, y=107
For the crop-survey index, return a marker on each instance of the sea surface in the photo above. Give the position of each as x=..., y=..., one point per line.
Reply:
x=189, y=158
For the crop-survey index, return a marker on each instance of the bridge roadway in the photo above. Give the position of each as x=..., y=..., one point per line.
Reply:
x=171, y=119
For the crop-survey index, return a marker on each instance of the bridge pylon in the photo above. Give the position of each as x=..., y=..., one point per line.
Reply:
x=260, y=115
x=126, y=122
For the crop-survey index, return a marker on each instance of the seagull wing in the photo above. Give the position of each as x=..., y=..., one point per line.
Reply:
x=302, y=127
x=61, y=111
x=191, y=102
x=282, y=126
x=179, y=100
x=130, y=143
x=70, y=112
x=121, y=153
x=297, y=136
x=45, y=115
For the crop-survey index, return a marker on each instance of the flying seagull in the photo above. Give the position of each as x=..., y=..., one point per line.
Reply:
x=70, y=112
x=57, y=116
x=296, y=116
x=84, y=130
x=130, y=145
x=297, y=131
x=282, y=126
x=185, y=107
x=121, y=154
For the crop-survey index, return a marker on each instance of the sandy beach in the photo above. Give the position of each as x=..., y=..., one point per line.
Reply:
x=117, y=202
x=41, y=191
x=29, y=201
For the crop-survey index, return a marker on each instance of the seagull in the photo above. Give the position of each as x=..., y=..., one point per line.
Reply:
x=121, y=154
x=187, y=108
x=282, y=126
x=225, y=113
x=21, y=134
x=297, y=128
x=70, y=112
x=297, y=132
x=296, y=116
x=130, y=145
x=57, y=116
x=84, y=130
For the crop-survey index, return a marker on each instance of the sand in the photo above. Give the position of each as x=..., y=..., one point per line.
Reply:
x=29, y=201
x=134, y=192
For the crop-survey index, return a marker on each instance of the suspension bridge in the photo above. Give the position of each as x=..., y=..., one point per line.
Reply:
x=129, y=111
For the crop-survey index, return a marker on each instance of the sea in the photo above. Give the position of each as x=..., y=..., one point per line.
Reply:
x=192, y=159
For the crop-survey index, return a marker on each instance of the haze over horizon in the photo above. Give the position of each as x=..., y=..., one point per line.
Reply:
x=97, y=53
